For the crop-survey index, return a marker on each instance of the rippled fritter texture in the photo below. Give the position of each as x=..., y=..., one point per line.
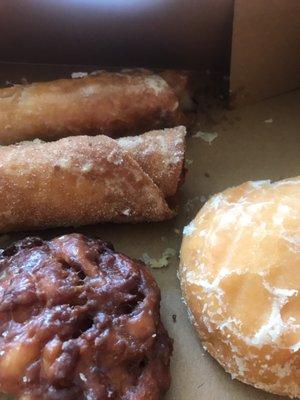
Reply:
x=79, y=321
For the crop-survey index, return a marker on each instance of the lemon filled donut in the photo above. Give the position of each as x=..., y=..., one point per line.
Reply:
x=240, y=276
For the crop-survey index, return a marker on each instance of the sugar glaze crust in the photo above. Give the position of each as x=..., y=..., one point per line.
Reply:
x=86, y=180
x=239, y=273
x=79, y=321
x=114, y=104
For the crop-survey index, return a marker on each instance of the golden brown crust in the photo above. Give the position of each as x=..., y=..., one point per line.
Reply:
x=81, y=180
x=177, y=80
x=161, y=156
x=240, y=277
x=114, y=104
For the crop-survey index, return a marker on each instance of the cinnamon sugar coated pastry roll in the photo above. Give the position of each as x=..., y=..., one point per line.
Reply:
x=160, y=155
x=240, y=275
x=86, y=180
x=79, y=321
x=114, y=104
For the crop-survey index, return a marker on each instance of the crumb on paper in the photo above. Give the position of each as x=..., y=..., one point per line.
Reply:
x=76, y=75
x=269, y=121
x=174, y=318
x=188, y=161
x=161, y=262
x=208, y=137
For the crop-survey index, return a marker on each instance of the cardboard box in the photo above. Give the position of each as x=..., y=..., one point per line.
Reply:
x=138, y=33
x=265, y=55
x=255, y=142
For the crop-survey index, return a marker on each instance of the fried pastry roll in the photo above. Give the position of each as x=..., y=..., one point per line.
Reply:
x=114, y=104
x=85, y=180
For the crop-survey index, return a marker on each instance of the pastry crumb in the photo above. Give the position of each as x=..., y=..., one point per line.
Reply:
x=161, y=262
x=208, y=137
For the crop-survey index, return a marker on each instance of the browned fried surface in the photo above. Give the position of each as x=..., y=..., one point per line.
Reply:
x=79, y=321
x=84, y=180
x=109, y=103
x=161, y=155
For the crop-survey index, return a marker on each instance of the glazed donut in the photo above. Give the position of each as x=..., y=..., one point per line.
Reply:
x=240, y=276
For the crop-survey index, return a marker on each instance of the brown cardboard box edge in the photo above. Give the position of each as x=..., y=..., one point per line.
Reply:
x=265, y=54
x=257, y=42
x=133, y=33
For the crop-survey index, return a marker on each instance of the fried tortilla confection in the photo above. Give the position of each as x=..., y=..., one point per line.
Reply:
x=114, y=104
x=86, y=180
